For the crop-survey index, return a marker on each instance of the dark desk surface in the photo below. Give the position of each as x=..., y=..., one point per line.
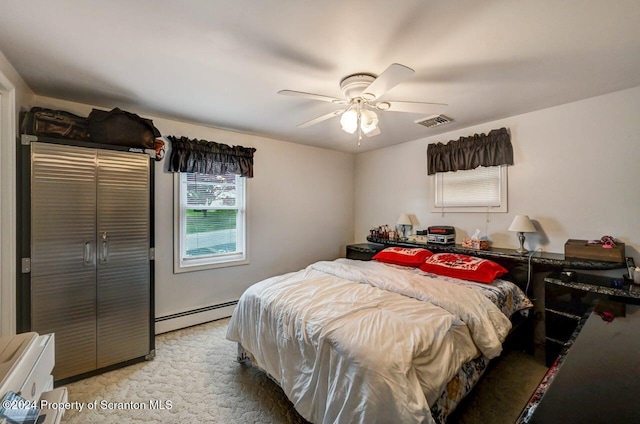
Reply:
x=594, y=283
x=551, y=260
x=598, y=380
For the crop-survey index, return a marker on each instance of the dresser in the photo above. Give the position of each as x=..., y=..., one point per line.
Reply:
x=569, y=296
x=26, y=364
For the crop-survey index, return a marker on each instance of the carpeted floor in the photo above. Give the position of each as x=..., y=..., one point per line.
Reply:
x=503, y=391
x=195, y=379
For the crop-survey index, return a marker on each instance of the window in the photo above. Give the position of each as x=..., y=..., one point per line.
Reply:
x=476, y=190
x=210, y=227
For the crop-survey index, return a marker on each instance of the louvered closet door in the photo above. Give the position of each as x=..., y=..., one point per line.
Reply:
x=123, y=256
x=63, y=267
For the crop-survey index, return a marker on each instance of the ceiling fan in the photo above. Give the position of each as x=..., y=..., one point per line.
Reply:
x=362, y=92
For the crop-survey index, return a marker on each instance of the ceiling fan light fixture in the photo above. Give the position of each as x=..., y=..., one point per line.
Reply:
x=349, y=121
x=368, y=121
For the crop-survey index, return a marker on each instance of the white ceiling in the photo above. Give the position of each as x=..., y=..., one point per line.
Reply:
x=221, y=63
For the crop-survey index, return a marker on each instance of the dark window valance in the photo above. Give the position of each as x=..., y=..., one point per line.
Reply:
x=209, y=157
x=492, y=149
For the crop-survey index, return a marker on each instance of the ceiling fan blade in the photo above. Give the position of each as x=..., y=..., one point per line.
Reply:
x=412, y=107
x=391, y=77
x=321, y=118
x=312, y=96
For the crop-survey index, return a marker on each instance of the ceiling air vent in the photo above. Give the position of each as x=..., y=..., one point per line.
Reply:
x=435, y=121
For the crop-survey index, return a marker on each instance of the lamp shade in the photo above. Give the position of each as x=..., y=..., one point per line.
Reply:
x=367, y=118
x=368, y=121
x=404, y=220
x=522, y=224
x=349, y=121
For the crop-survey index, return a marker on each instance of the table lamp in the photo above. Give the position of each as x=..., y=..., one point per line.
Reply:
x=522, y=224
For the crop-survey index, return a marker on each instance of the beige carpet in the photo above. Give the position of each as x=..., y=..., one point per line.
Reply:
x=195, y=379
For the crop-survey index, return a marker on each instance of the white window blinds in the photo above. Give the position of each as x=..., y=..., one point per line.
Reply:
x=483, y=187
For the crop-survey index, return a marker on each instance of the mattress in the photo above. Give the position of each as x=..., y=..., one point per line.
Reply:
x=365, y=342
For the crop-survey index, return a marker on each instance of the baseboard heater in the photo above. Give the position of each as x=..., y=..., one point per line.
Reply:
x=194, y=317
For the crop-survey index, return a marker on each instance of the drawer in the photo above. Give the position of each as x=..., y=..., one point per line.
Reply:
x=51, y=398
x=560, y=326
x=39, y=379
x=570, y=307
x=17, y=355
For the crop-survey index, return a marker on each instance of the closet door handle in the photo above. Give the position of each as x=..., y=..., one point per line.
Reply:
x=104, y=254
x=87, y=254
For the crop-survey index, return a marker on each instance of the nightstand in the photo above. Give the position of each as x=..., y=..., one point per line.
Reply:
x=567, y=300
x=363, y=251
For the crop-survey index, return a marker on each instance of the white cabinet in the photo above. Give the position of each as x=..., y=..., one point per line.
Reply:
x=26, y=363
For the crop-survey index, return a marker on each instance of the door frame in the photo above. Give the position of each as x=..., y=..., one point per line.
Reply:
x=7, y=207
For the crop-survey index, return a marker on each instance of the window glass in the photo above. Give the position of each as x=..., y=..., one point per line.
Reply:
x=211, y=221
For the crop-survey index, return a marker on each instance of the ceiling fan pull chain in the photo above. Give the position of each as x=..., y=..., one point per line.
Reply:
x=359, y=128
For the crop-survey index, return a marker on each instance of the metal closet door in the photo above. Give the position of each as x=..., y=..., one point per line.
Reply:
x=123, y=256
x=63, y=247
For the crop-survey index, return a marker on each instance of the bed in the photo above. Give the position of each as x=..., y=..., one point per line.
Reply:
x=373, y=342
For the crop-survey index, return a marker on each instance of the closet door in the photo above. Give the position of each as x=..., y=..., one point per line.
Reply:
x=123, y=256
x=63, y=246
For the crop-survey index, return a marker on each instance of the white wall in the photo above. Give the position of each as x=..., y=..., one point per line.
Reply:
x=576, y=172
x=300, y=211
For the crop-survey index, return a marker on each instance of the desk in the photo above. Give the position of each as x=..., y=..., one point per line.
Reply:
x=568, y=299
x=542, y=261
x=596, y=379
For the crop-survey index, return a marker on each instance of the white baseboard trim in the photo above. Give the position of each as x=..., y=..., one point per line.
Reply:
x=194, y=317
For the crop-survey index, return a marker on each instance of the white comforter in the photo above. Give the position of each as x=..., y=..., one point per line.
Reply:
x=364, y=342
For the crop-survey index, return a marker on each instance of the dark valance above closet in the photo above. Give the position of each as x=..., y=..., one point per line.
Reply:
x=492, y=149
x=209, y=157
